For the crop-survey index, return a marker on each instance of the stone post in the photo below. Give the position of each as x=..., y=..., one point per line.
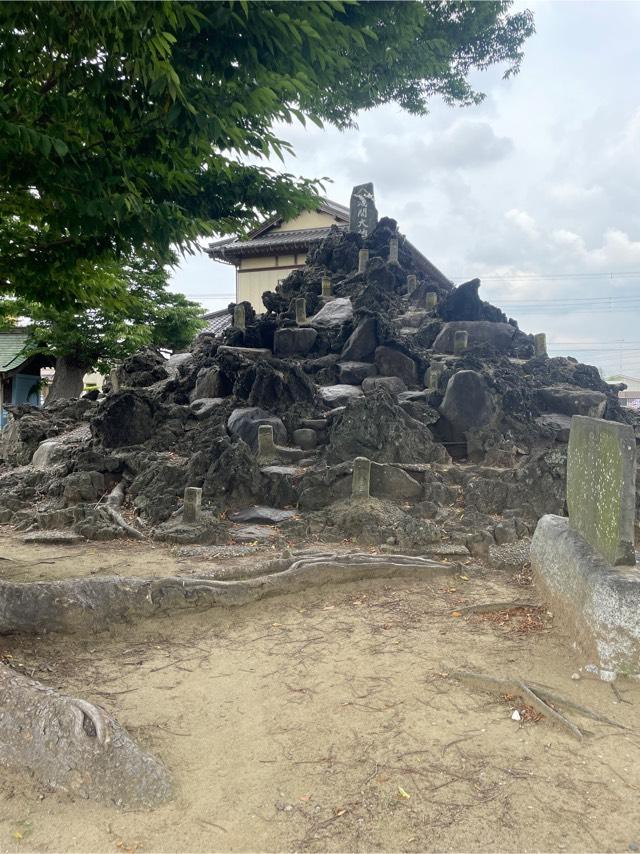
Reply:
x=361, y=478
x=239, y=317
x=301, y=311
x=113, y=378
x=412, y=282
x=266, y=445
x=540, y=341
x=460, y=342
x=393, y=251
x=192, y=508
x=326, y=286
x=433, y=377
x=432, y=300
x=363, y=257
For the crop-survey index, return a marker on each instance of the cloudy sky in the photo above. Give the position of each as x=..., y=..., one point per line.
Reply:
x=536, y=191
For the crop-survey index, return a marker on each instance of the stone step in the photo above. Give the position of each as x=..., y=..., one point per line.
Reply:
x=253, y=353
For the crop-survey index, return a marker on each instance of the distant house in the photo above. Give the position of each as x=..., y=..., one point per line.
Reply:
x=278, y=246
x=19, y=374
x=630, y=397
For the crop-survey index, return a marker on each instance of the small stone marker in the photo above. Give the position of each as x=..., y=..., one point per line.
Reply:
x=363, y=213
x=361, y=479
x=266, y=445
x=301, y=311
x=239, y=316
x=412, y=282
x=431, y=300
x=113, y=379
x=433, y=377
x=326, y=286
x=460, y=341
x=540, y=341
x=363, y=257
x=393, y=251
x=601, y=486
x=192, y=508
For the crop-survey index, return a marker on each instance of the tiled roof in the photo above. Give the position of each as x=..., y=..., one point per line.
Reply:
x=298, y=239
x=217, y=322
x=11, y=346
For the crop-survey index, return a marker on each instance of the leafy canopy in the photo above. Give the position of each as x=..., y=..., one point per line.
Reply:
x=130, y=127
x=147, y=314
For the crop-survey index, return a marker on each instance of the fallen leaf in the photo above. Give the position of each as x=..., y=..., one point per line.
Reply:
x=403, y=793
x=456, y=614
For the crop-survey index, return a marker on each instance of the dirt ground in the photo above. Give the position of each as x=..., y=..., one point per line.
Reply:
x=329, y=721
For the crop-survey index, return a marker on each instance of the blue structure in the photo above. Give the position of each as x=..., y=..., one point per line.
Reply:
x=19, y=374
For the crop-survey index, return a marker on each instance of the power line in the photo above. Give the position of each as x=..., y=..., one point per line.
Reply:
x=623, y=274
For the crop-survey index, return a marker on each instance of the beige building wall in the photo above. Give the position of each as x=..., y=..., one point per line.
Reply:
x=255, y=275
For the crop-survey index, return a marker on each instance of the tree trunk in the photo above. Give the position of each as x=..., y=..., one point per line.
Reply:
x=68, y=380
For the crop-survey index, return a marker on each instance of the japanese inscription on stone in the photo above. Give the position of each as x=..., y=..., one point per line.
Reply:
x=363, y=213
x=601, y=488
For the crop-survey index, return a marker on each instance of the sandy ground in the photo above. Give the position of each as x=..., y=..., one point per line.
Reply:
x=329, y=721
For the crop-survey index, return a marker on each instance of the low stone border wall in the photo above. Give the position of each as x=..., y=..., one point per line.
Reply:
x=597, y=603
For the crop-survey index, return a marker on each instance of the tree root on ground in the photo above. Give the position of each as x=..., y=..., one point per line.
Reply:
x=537, y=696
x=94, y=604
x=72, y=745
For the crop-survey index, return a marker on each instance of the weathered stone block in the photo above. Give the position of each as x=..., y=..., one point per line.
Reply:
x=360, y=483
x=353, y=373
x=362, y=342
x=467, y=402
x=192, y=507
x=569, y=400
x=601, y=486
x=305, y=438
x=393, y=363
x=598, y=603
x=334, y=313
x=294, y=341
x=339, y=395
x=393, y=384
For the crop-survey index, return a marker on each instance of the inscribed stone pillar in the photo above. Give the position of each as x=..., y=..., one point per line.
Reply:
x=460, y=341
x=326, y=286
x=363, y=257
x=431, y=300
x=363, y=214
x=192, y=507
x=393, y=251
x=301, y=311
x=113, y=379
x=266, y=445
x=601, y=486
x=433, y=377
x=412, y=282
x=239, y=316
x=361, y=478
x=540, y=341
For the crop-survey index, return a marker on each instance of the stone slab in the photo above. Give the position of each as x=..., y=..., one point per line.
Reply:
x=337, y=395
x=53, y=538
x=597, y=603
x=601, y=486
x=261, y=515
x=363, y=215
x=334, y=313
x=253, y=353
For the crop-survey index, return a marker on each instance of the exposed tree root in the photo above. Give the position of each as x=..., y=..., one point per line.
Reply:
x=72, y=745
x=93, y=604
x=536, y=696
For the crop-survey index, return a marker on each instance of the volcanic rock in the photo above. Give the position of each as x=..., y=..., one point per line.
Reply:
x=334, y=313
x=294, y=341
x=393, y=363
x=244, y=424
x=353, y=373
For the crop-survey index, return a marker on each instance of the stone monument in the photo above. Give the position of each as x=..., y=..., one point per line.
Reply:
x=584, y=565
x=363, y=213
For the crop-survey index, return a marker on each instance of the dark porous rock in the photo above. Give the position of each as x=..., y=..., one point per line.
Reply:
x=463, y=303
x=83, y=486
x=294, y=341
x=234, y=478
x=505, y=532
x=372, y=522
x=487, y=495
x=362, y=342
x=203, y=407
x=261, y=515
x=556, y=424
x=244, y=424
x=420, y=410
x=158, y=488
x=211, y=383
x=393, y=363
x=124, y=418
x=142, y=369
x=393, y=385
x=339, y=395
x=375, y=427
x=478, y=543
x=392, y=482
x=353, y=373
x=334, y=313
x=281, y=484
x=468, y=404
x=568, y=400
x=275, y=385
x=21, y=437
x=501, y=337
x=305, y=438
